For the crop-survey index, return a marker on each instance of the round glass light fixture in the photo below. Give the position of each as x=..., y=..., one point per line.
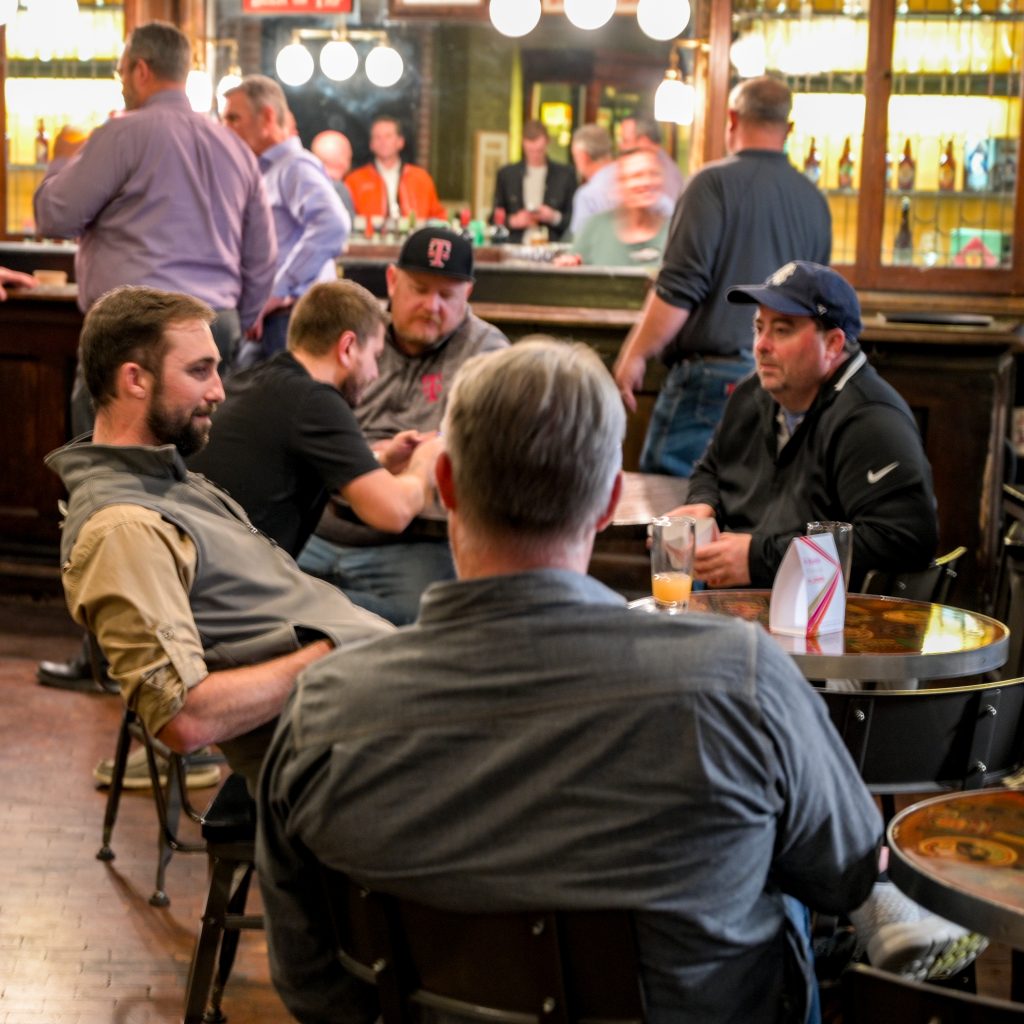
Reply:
x=294, y=64
x=675, y=101
x=747, y=55
x=661, y=20
x=589, y=14
x=339, y=60
x=384, y=66
x=199, y=90
x=229, y=81
x=514, y=17
x=8, y=9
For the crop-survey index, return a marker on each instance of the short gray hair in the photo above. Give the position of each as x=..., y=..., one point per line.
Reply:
x=763, y=100
x=593, y=140
x=648, y=128
x=263, y=92
x=164, y=48
x=534, y=433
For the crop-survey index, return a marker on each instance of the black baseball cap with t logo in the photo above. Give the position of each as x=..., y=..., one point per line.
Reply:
x=438, y=251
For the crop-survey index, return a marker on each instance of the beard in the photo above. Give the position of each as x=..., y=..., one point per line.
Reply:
x=183, y=432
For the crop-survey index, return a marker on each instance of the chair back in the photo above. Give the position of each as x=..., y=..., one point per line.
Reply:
x=870, y=995
x=508, y=968
x=931, y=584
x=961, y=737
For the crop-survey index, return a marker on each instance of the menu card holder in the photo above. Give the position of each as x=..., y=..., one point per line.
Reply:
x=808, y=597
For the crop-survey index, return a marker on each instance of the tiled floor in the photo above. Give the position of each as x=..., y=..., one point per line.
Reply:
x=79, y=944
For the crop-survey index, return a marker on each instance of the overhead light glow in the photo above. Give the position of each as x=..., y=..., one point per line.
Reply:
x=199, y=90
x=589, y=14
x=232, y=80
x=675, y=101
x=339, y=60
x=514, y=17
x=8, y=9
x=661, y=20
x=747, y=55
x=384, y=66
x=294, y=64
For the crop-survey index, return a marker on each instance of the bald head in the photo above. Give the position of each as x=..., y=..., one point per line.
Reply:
x=334, y=151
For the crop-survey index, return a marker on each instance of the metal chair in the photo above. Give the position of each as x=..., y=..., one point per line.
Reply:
x=931, y=584
x=959, y=737
x=506, y=968
x=229, y=831
x=869, y=995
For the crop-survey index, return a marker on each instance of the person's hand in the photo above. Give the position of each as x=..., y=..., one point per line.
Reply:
x=547, y=214
x=70, y=139
x=521, y=219
x=724, y=562
x=698, y=511
x=16, y=279
x=425, y=456
x=567, y=259
x=629, y=377
x=394, y=454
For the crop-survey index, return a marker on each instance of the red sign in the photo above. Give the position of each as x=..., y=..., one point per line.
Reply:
x=297, y=6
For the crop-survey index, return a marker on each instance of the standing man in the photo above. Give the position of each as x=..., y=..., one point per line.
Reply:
x=432, y=333
x=162, y=197
x=205, y=621
x=285, y=436
x=536, y=191
x=310, y=221
x=531, y=743
x=738, y=219
x=645, y=133
x=389, y=187
x=335, y=152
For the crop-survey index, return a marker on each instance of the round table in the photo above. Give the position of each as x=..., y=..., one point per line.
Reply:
x=887, y=639
x=961, y=855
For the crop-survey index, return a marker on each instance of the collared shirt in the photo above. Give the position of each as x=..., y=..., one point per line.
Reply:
x=311, y=223
x=164, y=197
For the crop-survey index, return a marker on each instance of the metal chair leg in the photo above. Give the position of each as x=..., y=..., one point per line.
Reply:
x=124, y=737
x=211, y=931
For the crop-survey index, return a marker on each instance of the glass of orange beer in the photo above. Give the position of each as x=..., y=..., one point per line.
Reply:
x=672, y=542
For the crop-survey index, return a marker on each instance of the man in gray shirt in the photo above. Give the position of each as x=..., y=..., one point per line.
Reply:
x=538, y=745
x=738, y=219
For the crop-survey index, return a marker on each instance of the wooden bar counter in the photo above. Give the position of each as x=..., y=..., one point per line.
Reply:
x=958, y=379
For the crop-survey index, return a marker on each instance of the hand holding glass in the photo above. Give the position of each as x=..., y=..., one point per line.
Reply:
x=672, y=545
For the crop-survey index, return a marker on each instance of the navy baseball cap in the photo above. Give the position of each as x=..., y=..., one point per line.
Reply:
x=806, y=289
x=438, y=251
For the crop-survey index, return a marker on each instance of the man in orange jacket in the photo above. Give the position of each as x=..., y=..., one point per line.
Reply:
x=388, y=187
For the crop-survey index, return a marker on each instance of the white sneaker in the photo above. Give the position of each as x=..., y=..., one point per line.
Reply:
x=902, y=937
x=136, y=772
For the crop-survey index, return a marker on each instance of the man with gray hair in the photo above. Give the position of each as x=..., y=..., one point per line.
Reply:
x=311, y=222
x=645, y=133
x=738, y=219
x=538, y=745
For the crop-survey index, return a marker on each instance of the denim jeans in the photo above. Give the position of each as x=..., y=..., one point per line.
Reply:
x=387, y=579
x=687, y=411
x=273, y=340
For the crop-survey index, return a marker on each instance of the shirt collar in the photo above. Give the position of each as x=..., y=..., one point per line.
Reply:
x=278, y=151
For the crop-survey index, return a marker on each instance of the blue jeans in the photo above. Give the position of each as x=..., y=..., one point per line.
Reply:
x=387, y=579
x=274, y=339
x=688, y=409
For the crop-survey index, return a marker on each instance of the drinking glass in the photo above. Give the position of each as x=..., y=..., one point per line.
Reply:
x=842, y=534
x=672, y=562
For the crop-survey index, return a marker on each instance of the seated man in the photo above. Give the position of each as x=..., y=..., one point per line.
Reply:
x=531, y=743
x=206, y=622
x=816, y=434
x=432, y=332
x=286, y=437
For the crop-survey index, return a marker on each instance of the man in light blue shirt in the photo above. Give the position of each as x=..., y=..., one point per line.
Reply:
x=311, y=223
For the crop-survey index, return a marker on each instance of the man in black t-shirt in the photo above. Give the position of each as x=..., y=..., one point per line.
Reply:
x=285, y=439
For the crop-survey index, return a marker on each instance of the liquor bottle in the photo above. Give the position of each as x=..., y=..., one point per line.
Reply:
x=465, y=216
x=812, y=165
x=907, y=169
x=42, y=144
x=903, y=245
x=846, y=166
x=947, y=169
x=500, y=232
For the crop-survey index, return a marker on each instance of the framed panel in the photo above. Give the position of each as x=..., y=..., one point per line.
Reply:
x=438, y=8
x=558, y=6
x=490, y=151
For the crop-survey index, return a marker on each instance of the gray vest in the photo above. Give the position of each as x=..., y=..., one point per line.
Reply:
x=249, y=597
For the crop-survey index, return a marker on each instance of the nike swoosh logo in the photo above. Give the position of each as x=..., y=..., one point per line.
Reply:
x=874, y=475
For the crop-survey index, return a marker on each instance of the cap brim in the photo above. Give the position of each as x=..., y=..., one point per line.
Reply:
x=434, y=270
x=762, y=295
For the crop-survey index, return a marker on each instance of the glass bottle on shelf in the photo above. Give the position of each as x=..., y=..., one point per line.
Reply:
x=500, y=232
x=907, y=170
x=812, y=163
x=903, y=245
x=947, y=169
x=42, y=144
x=464, y=218
x=845, y=179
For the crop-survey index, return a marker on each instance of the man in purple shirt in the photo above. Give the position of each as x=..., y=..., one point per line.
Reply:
x=311, y=223
x=162, y=197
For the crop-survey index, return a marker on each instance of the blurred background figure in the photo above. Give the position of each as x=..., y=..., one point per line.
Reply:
x=645, y=133
x=335, y=152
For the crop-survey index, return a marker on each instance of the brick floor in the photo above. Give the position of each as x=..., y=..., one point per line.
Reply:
x=79, y=943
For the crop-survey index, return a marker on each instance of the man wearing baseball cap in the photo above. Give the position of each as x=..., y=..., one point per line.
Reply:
x=431, y=334
x=814, y=434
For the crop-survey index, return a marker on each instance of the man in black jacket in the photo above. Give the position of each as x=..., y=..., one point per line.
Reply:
x=815, y=434
x=535, y=191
